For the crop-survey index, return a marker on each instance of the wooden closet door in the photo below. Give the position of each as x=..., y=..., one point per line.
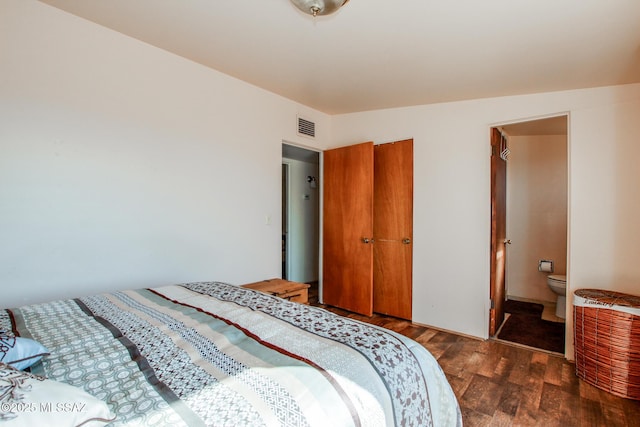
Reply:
x=347, y=251
x=393, y=229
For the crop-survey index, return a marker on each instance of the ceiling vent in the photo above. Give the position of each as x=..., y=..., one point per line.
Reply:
x=306, y=127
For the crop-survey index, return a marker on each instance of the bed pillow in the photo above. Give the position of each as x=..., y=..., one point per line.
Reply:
x=20, y=352
x=30, y=400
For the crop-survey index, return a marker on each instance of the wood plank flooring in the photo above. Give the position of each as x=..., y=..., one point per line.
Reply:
x=499, y=384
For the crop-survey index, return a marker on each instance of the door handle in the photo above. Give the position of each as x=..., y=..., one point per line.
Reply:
x=366, y=240
x=405, y=241
x=507, y=241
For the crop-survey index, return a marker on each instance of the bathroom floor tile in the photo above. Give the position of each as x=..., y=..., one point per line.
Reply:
x=549, y=313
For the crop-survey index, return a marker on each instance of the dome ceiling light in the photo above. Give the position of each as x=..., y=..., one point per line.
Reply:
x=319, y=7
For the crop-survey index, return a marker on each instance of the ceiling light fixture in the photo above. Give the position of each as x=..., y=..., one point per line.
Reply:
x=319, y=7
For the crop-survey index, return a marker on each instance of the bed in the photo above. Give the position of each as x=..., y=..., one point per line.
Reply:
x=211, y=353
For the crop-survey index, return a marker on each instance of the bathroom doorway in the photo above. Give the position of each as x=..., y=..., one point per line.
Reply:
x=535, y=156
x=300, y=214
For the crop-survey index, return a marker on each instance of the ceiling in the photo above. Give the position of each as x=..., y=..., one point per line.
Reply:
x=550, y=126
x=375, y=54
x=301, y=154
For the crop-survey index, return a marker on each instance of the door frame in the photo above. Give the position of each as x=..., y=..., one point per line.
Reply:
x=499, y=125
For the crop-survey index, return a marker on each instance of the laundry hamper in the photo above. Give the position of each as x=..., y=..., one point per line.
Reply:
x=607, y=340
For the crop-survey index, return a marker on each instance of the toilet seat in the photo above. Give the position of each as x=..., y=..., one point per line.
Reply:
x=558, y=279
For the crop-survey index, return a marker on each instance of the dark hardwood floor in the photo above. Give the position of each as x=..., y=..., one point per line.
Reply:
x=499, y=384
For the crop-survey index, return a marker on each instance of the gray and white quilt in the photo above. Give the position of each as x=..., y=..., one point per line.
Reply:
x=215, y=354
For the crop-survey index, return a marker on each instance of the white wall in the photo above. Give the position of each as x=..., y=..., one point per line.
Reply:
x=122, y=165
x=452, y=193
x=536, y=213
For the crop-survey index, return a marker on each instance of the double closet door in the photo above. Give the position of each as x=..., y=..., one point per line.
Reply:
x=368, y=228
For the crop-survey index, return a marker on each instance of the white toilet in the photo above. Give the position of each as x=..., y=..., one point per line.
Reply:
x=558, y=284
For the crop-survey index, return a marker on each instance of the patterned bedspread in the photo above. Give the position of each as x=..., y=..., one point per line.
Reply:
x=220, y=355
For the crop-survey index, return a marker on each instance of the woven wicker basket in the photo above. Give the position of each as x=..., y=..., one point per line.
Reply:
x=607, y=340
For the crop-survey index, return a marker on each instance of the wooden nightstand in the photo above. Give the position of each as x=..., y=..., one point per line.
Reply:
x=292, y=291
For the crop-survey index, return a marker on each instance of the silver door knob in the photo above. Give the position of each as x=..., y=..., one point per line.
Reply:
x=406, y=240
